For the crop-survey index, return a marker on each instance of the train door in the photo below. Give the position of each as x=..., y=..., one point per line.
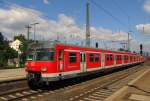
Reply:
x=60, y=61
x=83, y=62
x=103, y=59
x=122, y=59
x=115, y=59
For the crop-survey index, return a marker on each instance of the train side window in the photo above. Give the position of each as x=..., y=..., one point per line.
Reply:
x=60, y=55
x=84, y=58
x=107, y=56
x=81, y=60
x=111, y=58
x=131, y=58
x=72, y=58
x=91, y=57
x=97, y=57
x=118, y=57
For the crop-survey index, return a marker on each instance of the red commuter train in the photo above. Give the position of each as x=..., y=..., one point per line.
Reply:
x=56, y=61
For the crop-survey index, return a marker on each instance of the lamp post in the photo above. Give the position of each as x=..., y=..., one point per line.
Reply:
x=34, y=25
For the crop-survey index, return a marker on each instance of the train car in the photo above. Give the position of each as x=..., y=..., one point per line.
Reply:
x=57, y=61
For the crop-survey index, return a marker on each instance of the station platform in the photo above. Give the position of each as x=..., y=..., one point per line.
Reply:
x=12, y=74
x=136, y=90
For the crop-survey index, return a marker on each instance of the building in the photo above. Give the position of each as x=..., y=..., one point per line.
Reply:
x=15, y=45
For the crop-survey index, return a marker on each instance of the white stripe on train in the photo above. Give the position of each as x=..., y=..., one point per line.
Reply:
x=79, y=71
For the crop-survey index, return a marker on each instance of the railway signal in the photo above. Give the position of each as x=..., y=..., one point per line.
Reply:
x=96, y=44
x=141, y=49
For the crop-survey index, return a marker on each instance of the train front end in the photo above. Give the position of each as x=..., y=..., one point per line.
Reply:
x=41, y=61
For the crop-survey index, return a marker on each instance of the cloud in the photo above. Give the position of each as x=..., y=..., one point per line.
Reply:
x=46, y=1
x=107, y=34
x=14, y=19
x=147, y=6
x=146, y=47
x=143, y=28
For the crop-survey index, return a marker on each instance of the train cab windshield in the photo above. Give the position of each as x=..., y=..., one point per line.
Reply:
x=44, y=56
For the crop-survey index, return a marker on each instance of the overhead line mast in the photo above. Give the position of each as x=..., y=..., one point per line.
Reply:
x=88, y=41
x=28, y=32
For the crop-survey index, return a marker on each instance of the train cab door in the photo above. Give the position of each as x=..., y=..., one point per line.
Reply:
x=83, y=62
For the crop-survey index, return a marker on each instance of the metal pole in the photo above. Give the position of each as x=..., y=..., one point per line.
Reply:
x=28, y=32
x=34, y=24
x=34, y=32
x=128, y=42
x=88, y=23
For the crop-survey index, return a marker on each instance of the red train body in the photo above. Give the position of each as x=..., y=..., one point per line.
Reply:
x=59, y=61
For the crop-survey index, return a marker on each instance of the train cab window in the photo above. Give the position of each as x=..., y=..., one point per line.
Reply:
x=91, y=57
x=45, y=56
x=72, y=58
x=97, y=57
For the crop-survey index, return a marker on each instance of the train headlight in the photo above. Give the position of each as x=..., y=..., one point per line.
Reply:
x=43, y=69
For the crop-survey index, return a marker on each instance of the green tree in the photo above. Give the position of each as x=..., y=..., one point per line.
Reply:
x=5, y=51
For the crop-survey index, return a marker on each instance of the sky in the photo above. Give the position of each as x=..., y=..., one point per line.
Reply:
x=110, y=20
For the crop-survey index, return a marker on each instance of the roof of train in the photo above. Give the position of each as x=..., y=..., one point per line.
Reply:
x=52, y=44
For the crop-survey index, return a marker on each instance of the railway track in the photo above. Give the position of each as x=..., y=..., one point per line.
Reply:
x=9, y=86
x=91, y=90
x=102, y=92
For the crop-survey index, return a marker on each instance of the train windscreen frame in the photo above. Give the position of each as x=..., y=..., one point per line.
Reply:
x=44, y=56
